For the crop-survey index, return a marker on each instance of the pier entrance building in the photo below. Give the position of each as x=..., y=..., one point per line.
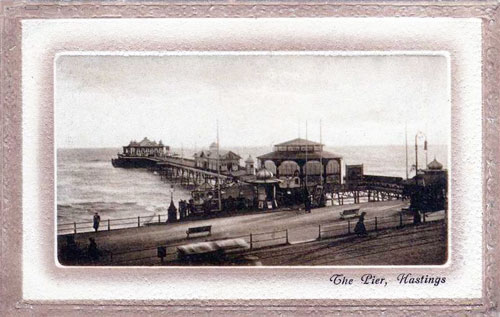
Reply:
x=297, y=158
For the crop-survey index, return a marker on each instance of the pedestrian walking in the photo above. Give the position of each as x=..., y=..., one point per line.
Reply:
x=307, y=200
x=308, y=203
x=417, y=219
x=93, y=251
x=360, y=228
x=97, y=220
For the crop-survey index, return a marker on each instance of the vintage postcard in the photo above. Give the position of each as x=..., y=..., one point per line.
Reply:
x=239, y=159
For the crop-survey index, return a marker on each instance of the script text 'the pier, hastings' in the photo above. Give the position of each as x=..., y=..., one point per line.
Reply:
x=372, y=279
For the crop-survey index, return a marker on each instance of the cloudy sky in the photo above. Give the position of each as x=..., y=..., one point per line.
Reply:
x=105, y=101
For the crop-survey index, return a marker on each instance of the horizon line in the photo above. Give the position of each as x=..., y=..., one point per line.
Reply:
x=248, y=146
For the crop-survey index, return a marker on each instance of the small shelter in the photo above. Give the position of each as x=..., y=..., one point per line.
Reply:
x=434, y=174
x=266, y=184
x=428, y=189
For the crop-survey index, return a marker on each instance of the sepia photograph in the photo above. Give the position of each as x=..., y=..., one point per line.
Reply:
x=252, y=158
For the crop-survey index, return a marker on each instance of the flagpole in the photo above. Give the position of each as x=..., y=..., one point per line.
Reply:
x=320, y=155
x=406, y=148
x=306, y=155
x=425, y=148
x=416, y=157
x=218, y=169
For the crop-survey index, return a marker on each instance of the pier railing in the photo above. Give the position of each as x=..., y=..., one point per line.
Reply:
x=110, y=224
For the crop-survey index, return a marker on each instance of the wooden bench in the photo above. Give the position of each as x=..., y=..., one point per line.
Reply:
x=349, y=213
x=200, y=229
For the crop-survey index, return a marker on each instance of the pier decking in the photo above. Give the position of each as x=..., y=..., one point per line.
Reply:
x=172, y=168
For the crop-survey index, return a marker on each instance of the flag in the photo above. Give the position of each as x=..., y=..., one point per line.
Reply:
x=425, y=145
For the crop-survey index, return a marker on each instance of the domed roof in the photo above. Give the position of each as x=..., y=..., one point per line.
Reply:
x=264, y=174
x=435, y=165
x=213, y=145
x=249, y=159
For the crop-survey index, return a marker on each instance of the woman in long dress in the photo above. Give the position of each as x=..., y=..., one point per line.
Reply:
x=360, y=228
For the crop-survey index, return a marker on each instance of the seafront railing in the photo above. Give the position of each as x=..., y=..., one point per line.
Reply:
x=150, y=254
x=255, y=240
x=110, y=224
x=374, y=224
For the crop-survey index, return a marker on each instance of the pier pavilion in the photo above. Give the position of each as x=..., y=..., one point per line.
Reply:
x=297, y=158
x=145, y=148
x=207, y=159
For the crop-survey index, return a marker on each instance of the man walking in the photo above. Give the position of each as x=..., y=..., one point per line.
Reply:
x=97, y=220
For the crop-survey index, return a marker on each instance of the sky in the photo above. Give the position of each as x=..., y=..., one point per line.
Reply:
x=257, y=100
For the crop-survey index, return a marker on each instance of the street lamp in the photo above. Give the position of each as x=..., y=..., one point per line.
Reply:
x=419, y=135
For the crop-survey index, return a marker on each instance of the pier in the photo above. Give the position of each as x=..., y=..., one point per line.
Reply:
x=186, y=173
x=299, y=164
x=172, y=169
x=303, y=173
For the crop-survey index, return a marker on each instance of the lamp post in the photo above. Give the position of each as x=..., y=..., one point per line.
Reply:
x=419, y=135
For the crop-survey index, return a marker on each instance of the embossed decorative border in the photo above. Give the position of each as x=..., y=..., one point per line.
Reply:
x=12, y=12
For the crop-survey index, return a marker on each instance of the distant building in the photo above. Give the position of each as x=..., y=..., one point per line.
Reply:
x=207, y=159
x=145, y=148
x=250, y=166
x=297, y=158
x=354, y=173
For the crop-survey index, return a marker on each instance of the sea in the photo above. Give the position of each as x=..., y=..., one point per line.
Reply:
x=87, y=182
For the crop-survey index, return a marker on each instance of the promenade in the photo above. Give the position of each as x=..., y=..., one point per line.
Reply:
x=412, y=245
x=301, y=226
